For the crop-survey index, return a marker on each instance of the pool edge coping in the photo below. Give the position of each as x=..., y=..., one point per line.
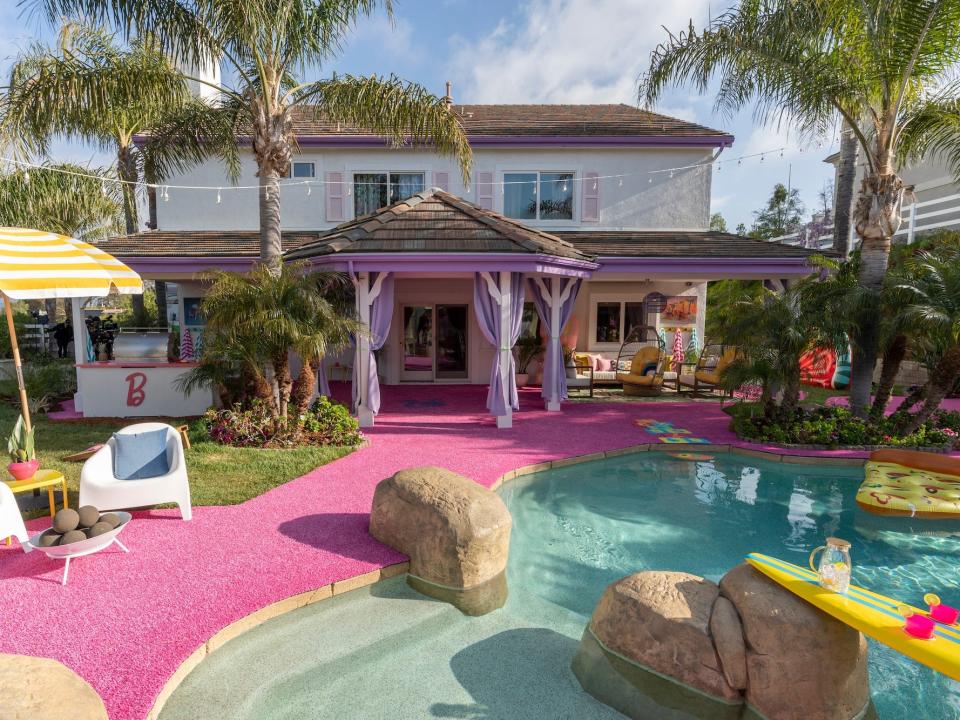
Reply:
x=338, y=587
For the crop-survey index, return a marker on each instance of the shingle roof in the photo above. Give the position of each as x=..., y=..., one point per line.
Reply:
x=434, y=221
x=198, y=243
x=678, y=243
x=534, y=121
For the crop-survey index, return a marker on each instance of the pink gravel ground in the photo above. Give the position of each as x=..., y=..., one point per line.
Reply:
x=843, y=401
x=126, y=621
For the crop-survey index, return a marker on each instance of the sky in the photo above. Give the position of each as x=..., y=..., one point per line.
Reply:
x=540, y=51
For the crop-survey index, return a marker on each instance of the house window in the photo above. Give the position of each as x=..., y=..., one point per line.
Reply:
x=608, y=322
x=538, y=196
x=530, y=321
x=372, y=191
x=615, y=320
x=302, y=170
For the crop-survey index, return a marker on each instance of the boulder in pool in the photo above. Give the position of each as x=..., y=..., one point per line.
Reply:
x=801, y=663
x=456, y=533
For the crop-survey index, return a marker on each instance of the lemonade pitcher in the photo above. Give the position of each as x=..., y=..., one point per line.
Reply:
x=834, y=568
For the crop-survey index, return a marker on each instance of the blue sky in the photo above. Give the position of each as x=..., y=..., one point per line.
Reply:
x=542, y=51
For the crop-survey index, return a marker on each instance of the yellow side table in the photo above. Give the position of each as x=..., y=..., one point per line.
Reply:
x=48, y=479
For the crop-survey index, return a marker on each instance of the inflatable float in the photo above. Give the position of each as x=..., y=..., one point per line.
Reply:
x=826, y=368
x=876, y=616
x=912, y=484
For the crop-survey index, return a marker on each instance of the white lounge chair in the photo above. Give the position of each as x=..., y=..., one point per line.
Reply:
x=11, y=521
x=99, y=487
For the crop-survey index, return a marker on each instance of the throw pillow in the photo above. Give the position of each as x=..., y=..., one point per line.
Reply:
x=604, y=364
x=140, y=455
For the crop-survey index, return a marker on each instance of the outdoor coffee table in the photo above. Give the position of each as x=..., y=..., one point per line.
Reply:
x=48, y=479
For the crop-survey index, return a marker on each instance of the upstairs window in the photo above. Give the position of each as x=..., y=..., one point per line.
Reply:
x=372, y=191
x=302, y=170
x=538, y=195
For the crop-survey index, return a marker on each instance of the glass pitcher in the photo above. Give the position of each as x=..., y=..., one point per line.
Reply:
x=834, y=569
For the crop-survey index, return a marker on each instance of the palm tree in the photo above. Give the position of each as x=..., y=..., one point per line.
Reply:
x=882, y=66
x=263, y=45
x=844, y=191
x=259, y=318
x=931, y=289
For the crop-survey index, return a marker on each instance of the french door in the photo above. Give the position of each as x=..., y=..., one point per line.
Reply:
x=434, y=341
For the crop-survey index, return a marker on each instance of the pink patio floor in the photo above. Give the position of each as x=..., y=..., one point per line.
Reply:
x=126, y=621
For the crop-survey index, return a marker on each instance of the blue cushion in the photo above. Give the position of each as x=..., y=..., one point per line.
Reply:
x=137, y=456
x=649, y=369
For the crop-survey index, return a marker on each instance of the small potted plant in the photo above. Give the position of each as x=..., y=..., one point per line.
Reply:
x=23, y=462
x=527, y=349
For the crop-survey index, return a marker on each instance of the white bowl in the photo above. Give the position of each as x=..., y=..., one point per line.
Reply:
x=83, y=547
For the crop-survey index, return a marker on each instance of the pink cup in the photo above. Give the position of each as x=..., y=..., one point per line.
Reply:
x=919, y=626
x=944, y=614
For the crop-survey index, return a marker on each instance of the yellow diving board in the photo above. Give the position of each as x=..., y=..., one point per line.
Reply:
x=875, y=615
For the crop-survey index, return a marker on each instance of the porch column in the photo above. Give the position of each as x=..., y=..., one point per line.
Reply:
x=79, y=347
x=498, y=303
x=506, y=351
x=554, y=305
x=374, y=314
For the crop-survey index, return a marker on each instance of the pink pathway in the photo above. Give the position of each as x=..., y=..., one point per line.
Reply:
x=952, y=404
x=126, y=621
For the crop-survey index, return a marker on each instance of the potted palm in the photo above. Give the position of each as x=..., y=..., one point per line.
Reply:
x=528, y=348
x=23, y=462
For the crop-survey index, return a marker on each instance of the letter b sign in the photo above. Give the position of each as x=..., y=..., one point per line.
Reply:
x=136, y=382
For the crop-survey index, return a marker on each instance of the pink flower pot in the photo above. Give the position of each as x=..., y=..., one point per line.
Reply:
x=23, y=470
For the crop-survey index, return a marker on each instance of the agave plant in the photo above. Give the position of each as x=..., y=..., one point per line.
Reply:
x=20, y=443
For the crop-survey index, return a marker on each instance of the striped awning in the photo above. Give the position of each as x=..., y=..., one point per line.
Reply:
x=36, y=265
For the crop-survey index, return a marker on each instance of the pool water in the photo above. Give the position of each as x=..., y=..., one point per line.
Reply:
x=579, y=528
x=385, y=652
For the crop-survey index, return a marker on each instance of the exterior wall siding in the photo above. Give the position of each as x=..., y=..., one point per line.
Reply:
x=644, y=200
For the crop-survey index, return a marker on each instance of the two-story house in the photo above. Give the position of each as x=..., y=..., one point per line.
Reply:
x=599, y=213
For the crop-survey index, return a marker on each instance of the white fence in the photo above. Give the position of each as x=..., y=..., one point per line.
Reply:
x=918, y=217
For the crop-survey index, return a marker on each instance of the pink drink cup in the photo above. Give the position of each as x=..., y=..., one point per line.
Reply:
x=919, y=626
x=944, y=614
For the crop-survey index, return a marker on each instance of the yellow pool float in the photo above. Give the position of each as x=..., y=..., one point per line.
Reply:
x=912, y=484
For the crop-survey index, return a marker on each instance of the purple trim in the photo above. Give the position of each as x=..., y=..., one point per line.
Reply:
x=181, y=264
x=456, y=262
x=547, y=140
x=721, y=141
x=707, y=266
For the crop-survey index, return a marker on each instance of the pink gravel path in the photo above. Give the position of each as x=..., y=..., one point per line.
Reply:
x=843, y=401
x=126, y=621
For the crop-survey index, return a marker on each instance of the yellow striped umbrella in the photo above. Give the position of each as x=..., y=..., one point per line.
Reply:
x=37, y=265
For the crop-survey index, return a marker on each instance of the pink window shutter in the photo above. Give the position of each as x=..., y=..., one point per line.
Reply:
x=485, y=190
x=335, y=208
x=441, y=180
x=591, y=198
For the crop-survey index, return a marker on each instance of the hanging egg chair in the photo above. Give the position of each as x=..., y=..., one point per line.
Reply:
x=641, y=362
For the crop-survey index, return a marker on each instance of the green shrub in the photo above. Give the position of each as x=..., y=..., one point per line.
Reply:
x=325, y=423
x=43, y=377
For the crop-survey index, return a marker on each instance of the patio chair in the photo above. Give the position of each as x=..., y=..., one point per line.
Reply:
x=708, y=372
x=100, y=487
x=645, y=376
x=11, y=521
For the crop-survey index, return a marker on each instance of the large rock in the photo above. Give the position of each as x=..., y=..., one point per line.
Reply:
x=727, y=634
x=661, y=621
x=34, y=688
x=456, y=533
x=801, y=663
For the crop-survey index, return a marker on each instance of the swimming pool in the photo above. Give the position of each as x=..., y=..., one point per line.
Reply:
x=579, y=528
x=386, y=652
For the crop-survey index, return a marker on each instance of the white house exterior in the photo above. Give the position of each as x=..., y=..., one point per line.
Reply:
x=625, y=193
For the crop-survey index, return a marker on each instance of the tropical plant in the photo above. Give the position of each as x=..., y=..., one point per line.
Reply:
x=885, y=67
x=263, y=46
x=527, y=349
x=258, y=319
x=20, y=443
x=931, y=291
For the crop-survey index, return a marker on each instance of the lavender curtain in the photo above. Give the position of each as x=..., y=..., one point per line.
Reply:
x=323, y=386
x=488, y=317
x=554, y=372
x=381, y=312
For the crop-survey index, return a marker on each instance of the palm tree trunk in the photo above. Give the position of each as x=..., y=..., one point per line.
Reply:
x=271, y=245
x=272, y=132
x=160, y=289
x=893, y=356
x=791, y=396
x=281, y=375
x=843, y=194
x=942, y=380
x=303, y=388
x=127, y=170
x=878, y=218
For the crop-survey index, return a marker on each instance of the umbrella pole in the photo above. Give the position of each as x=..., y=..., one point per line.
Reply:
x=16, y=361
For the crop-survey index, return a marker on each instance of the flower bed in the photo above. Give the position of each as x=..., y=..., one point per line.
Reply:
x=325, y=423
x=835, y=427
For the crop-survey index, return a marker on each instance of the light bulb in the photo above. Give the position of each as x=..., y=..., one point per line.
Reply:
x=594, y=184
x=671, y=174
x=781, y=152
x=739, y=163
x=620, y=182
x=218, y=196
x=762, y=158
x=26, y=178
x=650, y=180
x=166, y=194
x=309, y=189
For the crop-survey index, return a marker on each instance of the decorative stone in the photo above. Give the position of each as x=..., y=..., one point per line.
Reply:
x=72, y=537
x=660, y=620
x=801, y=663
x=727, y=636
x=50, y=538
x=32, y=687
x=66, y=520
x=89, y=516
x=456, y=533
x=110, y=518
x=99, y=529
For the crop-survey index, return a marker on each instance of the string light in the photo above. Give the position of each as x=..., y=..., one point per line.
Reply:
x=309, y=190
x=699, y=167
x=218, y=196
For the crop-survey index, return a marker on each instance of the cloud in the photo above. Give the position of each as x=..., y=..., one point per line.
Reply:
x=575, y=51
x=382, y=38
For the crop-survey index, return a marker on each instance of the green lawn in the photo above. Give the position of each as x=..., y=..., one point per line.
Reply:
x=219, y=474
